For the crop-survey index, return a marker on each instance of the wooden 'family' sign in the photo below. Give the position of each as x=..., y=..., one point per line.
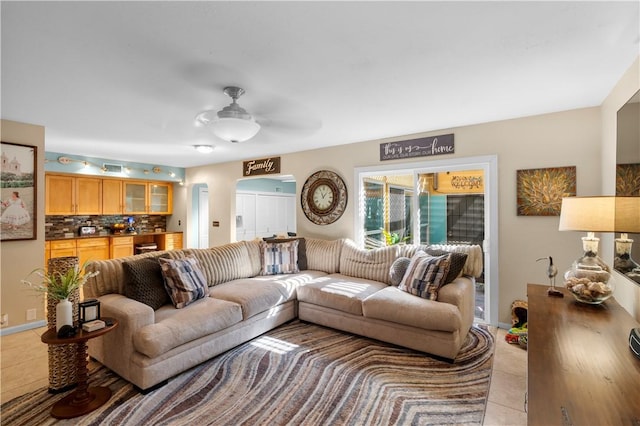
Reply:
x=423, y=147
x=263, y=166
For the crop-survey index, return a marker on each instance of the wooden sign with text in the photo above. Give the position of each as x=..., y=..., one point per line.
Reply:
x=263, y=166
x=423, y=147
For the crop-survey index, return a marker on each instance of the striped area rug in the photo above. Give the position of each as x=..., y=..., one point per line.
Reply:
x=297, y=374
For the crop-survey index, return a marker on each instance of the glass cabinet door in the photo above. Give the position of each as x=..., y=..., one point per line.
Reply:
x=159, y=198
x=135, y=197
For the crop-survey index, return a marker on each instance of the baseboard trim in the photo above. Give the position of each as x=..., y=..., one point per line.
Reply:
x=22, y=327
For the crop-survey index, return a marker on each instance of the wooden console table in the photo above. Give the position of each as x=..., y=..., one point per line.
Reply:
x=580, y=368
x=84, y=399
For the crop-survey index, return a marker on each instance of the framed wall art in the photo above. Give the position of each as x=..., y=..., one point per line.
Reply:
x=18, y=192
x=540, y=191
x=628, y=180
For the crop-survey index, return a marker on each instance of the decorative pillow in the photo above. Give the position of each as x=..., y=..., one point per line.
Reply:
x=184, y=280
x=302, y=249
x=279, y=258
x=398, y=269
x=143, y=282
x=456, y=261
x=425, y=275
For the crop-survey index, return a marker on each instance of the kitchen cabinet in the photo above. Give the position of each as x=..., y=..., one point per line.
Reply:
x=147, y=197
x=67, y=195
x=112, y=196
x=62, y=248
x=169, y=241
x=70, y=195
x=92, y=249
x=121, y=247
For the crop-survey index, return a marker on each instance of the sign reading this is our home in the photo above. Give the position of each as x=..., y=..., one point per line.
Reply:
x=263, y=166
x=423, y=147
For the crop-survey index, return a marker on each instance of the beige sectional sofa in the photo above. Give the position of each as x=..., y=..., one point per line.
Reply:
x=340, y=286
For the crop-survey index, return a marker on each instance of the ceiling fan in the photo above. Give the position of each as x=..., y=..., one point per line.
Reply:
x=232, y=123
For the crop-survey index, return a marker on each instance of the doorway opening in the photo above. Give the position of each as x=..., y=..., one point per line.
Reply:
x=265, y=207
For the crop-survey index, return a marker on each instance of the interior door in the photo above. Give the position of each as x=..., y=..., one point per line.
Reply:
x=203, y=217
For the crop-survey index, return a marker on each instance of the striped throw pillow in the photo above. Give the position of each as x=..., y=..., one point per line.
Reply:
x=279, y=258
x=184, y=280
x=425, y=275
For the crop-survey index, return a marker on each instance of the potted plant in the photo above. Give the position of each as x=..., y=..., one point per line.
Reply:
x=60, y=286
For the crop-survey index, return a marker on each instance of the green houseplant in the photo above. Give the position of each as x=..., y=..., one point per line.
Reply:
x=60, y=286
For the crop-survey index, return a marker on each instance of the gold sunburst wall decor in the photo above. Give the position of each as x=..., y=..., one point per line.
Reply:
x=628, y=180
x=540, y=191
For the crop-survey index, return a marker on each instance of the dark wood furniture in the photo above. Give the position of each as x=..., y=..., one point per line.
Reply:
x=580, y=368
x=83, y=399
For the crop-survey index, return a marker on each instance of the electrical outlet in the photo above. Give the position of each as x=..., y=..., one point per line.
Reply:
x=5, y=320
x=31, y=314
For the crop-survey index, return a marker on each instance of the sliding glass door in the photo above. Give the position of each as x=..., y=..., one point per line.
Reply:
x=436, y=202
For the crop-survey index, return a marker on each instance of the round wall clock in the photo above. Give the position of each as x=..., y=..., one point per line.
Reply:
x=324, y=197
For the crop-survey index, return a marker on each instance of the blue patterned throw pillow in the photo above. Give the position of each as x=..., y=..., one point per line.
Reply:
x=279, y=258
x=184, y=280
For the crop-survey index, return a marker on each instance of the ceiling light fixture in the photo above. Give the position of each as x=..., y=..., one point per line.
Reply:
x=204, y=149
x=232, y=123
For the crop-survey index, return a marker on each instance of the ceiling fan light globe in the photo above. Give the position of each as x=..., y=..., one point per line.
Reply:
x=234, y=129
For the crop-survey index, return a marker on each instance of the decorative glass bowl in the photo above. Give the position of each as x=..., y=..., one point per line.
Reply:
x=589, y=280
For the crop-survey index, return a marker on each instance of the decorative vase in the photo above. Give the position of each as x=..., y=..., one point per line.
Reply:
x=64, y=314
x=589, y=278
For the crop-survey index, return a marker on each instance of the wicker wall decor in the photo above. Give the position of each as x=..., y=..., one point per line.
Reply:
x=62, y=358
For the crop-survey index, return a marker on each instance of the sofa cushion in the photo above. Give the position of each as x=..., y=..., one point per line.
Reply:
x=395, y=305
x=398, y=269
x=143, y=281
x=224, y=263
x=339, y=292
x=174, y=327
x=252, y=295
x=279, y=258
x=369, y=264
x=324, y=255
x=184, y=280
x=425, y=275
x=262, y=293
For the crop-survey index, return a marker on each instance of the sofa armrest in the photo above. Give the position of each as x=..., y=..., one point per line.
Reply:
x=115, y=348
x=461, y=292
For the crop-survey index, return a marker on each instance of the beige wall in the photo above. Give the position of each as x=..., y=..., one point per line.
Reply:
x=570, y=138
x=627, y=293
x=19, y=258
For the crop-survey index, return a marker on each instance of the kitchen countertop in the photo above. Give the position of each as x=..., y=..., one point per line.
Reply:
x=84, y=237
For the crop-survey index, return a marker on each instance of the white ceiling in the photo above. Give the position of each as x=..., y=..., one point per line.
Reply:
x=124, y=80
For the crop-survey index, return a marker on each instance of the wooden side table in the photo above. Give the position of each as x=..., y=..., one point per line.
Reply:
x=84, y=399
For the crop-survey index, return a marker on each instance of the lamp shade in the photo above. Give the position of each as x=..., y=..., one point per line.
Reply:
x=600, y=214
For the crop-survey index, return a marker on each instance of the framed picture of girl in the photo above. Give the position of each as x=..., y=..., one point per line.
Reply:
x=18, y=192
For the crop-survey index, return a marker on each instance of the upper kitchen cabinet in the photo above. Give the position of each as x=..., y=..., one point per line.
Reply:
x=112, y=199
x=70, y=195
x=147, y=197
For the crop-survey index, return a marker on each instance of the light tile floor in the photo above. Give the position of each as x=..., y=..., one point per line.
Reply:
x=23, y=358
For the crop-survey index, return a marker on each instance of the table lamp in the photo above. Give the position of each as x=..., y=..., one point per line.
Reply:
x=589, y=278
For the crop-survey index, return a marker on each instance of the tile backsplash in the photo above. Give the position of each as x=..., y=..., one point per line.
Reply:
x=60, y=226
